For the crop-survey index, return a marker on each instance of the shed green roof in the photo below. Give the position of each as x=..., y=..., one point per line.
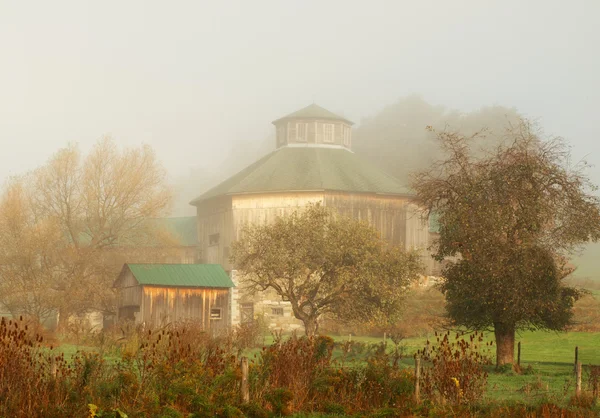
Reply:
x=181, y=275
x=313, y=111
x=309, y=168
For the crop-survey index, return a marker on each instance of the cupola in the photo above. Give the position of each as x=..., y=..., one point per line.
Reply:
x=313, y=126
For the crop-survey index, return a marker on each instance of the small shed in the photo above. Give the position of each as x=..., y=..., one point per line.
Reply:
x=158, y=294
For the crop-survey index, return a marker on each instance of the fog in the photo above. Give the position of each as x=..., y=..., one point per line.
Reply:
x=201, y=81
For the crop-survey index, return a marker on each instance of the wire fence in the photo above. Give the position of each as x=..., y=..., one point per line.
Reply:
x=547, y=373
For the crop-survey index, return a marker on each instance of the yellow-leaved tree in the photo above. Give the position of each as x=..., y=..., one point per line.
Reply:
x=65, y=227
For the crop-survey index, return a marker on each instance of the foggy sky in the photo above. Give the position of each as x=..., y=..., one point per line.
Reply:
x=189, y=78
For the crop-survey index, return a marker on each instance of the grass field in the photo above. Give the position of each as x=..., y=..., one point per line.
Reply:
x=548, y=356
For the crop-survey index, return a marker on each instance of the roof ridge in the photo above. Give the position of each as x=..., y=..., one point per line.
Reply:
x=313, y=111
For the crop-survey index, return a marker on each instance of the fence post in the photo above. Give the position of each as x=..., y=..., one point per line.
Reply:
x=519, y=354
x=245, y=388
x=578, y=379
x=576, y=358
x=53, y=366
x=384, y=339
x=417, y=378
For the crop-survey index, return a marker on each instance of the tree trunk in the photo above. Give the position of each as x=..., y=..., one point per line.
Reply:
x=505, y=343
x=310, y=326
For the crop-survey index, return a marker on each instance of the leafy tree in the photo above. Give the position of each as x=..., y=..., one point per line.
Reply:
x=66, y=226
x=325, y=264
x=509, y=218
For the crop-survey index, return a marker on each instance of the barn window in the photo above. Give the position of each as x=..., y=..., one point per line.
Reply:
x=213, y=239
x=277, y=311
x=328, y=132
x=215, y=313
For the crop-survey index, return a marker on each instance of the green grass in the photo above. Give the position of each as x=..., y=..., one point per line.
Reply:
x=549, y=355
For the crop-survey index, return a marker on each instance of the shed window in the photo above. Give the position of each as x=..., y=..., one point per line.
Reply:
x=277, y=311
x=213, y=239
x=328, y=132
x=215, y=313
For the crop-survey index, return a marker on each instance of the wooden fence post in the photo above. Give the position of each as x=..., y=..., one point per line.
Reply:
x=576, y=358
x=245, y=387
x=594, y=376
x=384, y=339
x=417, y=378
x=53, y=369
x=578, y=379
x=519, y=354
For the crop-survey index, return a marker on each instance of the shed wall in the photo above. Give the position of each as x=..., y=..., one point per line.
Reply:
x=163, y=305
x=129, y=297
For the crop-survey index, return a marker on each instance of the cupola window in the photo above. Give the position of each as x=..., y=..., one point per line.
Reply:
x=302, y=130
x=347, y=136
x=328, y=132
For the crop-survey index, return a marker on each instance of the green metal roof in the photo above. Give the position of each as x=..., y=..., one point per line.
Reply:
x=313, y=111
x=182, y=275
x=309, y=168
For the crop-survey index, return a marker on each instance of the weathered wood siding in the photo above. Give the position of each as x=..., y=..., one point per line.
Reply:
x=394, y=216
x=227, y=216
x=157, y=306
x=215, y=217
x=263, y=209
x=386, y=214
x=163, y=305
x=129, y=296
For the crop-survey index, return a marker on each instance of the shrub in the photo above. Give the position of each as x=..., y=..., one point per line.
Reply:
x=456, y=373
x=293, y=364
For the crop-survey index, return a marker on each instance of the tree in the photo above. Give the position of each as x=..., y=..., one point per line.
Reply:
x=324, y=264
x=396, y=140
x=28, y=254
x=74, y=215
x=509, y=219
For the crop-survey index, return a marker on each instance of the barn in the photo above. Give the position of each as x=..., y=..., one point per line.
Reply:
x=313, y=162
x=158, y=294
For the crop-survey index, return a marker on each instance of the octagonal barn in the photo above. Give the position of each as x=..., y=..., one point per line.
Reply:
x=313, y=162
